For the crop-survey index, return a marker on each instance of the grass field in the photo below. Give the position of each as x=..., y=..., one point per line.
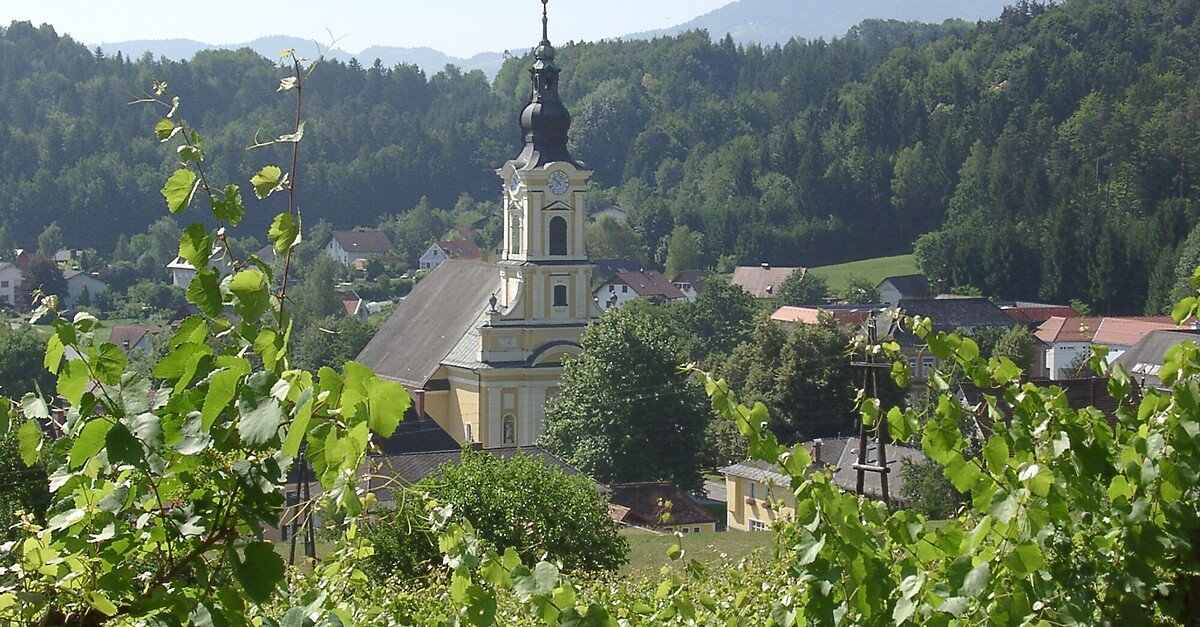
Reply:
x=875, y=270
x=648, y=551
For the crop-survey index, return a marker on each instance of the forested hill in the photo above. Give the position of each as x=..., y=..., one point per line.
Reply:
x=1058, y=145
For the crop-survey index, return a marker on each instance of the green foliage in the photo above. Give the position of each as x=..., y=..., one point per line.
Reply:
x=927, y=491
x=21, y=353
x=721, y=318
x=160, y=488
x=626, y=411
x=859, y=291
x=803, y=375
x=683, y=251
x=330, y=342
x=40, y=275
x=803, y=288
x=519, y=503
x=50, y=241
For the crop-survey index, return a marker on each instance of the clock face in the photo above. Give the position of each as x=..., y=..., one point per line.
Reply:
x=559, y=182
x=514, y=183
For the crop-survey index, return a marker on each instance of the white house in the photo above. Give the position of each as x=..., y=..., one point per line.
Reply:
x=349, y=246
x=688, y=282
x=627, y=285
x=77, y=282
x=448, y=249
x=182, y=271
x=908, y=286
x=1070, y=338
x=10, y=282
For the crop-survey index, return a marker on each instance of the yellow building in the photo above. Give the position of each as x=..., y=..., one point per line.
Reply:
x=480, y=346
x=756, y=496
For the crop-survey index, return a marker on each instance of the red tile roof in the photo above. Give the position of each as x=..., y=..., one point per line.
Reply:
x=1037, y=314
x=810, y=315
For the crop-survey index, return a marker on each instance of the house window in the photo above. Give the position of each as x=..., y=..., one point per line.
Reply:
x=927, y=364
x=683, y=529
x=695, y=529
x=510, y=429
x=470, y=436
x=611, y=288
x=3, y=283
x=624, y=289
x=558, y=235
x=757, y=525
x=560, y=296
x=753, y=485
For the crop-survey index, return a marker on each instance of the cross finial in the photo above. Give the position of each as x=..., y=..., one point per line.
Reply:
x=545, y=22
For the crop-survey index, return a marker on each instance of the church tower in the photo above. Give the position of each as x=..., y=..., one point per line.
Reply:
x=480, y=346
x=544, y=302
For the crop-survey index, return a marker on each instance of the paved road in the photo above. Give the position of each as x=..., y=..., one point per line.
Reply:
x=715, y=490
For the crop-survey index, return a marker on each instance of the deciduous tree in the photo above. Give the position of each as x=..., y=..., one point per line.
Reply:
x=627, y=412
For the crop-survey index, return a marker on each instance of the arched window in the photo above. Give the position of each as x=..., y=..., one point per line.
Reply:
x=560, y=296
x=558, y=235
x=510, y=429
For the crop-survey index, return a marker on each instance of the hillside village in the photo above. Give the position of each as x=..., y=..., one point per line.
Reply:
x=514, y=391
x=479, y=326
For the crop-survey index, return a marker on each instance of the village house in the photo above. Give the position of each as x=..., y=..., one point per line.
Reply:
x=758, y=494
x=658, y=505
x=448, y=249
x=1069, y=340
x=689, y=282
x=762, y=281
x=80, y=283
x=10, y=283
x=346, y=247
x=1144, y=360
x=626, y=285
x=893, y=289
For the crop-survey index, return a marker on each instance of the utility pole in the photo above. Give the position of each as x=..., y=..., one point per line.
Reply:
x=870, y=384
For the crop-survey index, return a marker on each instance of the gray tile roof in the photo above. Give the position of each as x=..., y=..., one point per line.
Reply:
x=428, y=325
x=1144, y=360
x=363, y=242
x=909, y=285
x=839, y=456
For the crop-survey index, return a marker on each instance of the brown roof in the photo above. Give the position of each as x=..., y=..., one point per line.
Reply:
x=646, y=503
x=363, y=242
x=1033, y=314
x=351, y=301
x=692, y=278
x=460, y=248
x=410, y=346
x=127, y=336
x=762, y=281
x=648, y=283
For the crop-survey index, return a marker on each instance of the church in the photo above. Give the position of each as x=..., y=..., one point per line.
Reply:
x=480, y=346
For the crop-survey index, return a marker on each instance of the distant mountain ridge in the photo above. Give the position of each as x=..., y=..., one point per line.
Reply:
x=748, y=21
x=776, y=21
x=427, y=59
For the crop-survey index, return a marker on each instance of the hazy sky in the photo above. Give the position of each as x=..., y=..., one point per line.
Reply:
x=457, y=27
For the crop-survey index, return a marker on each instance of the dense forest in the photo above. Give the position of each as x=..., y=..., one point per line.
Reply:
x=1052, y=153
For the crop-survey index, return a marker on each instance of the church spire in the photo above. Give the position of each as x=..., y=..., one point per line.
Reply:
x=545, y=120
